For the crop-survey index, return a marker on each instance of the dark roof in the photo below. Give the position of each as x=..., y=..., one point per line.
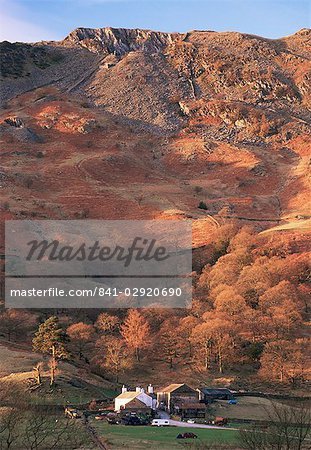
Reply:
x=135, y=403
x=215, y=391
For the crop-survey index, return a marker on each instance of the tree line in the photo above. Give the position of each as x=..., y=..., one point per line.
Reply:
x=249, y=311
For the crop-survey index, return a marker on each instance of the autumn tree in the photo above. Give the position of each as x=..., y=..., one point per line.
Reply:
x=284, y=319
x=228, y=268
x=221, y=239
x=136, y=332
x=80, y=335
x=278, y=294
x=112, y=355
x=218, y=339
x=281, y=360
x=51, y=339
x=13, y=401
x=186, y=326
x=243, y=240
x=256, y=278
x=202, y=340
x=107, y=323
x=256, y=325
x=169, y=340
x=230, y=302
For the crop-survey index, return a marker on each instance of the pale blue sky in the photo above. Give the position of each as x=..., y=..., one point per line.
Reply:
x=34, y=20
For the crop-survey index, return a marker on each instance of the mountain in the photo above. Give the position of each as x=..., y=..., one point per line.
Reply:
x=212, y=127
x=119, y=123
x=120, y=41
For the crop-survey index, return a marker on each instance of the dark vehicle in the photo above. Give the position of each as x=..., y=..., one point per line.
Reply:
x=112, y=419
x=135, y=420
x=186, y=436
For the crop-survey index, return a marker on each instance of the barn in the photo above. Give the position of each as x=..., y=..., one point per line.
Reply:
x=176, y=394
x=208, y=395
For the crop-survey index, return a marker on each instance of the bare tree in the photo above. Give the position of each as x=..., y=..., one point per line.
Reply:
x=39, y=430
x=289, y=429
x=9, y=428
x=45, y=432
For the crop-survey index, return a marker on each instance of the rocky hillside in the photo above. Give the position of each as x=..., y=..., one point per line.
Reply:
x=158, y=78
x=211, y=127
x=119, y=41
x=137, y=123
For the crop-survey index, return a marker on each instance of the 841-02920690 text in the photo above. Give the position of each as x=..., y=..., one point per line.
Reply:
x=99, y=291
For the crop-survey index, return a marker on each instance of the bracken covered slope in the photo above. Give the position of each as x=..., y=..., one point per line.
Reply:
x=213, y=127
x=117, y=123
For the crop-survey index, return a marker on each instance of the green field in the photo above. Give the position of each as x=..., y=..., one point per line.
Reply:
x=163, y=438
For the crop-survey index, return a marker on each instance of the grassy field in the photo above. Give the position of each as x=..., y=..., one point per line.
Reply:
x=255, y=408
x=141, y=437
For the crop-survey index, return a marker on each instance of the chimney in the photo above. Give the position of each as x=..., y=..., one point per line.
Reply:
x=124, y=389
x=150, y=389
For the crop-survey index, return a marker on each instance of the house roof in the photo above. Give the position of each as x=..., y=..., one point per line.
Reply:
x=212, y=391
x=131, y=394
x=173, y=387
x=128, y=395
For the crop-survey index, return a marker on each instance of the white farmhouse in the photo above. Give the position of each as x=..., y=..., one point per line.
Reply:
x=139, y=396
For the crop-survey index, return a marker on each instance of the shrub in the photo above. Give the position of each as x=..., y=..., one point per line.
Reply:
x=202, y=205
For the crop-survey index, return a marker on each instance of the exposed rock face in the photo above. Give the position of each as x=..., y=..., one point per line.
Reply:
x=14, y=122
x=16, y=128
x=248, y=85
x=120, y=41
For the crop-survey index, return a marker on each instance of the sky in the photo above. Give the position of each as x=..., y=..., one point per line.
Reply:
x=36, y=20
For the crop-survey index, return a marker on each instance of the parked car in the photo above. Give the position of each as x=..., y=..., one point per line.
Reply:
x=160, y=423
x=190, y=421
x=232, y=402
x=131, y=420
x=186, y=436
x=112, y=419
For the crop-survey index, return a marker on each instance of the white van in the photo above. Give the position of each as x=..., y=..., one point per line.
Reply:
x=160, y=423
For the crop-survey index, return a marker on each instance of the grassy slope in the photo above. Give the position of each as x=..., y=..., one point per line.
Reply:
x=72, y=385
x=134, y=438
